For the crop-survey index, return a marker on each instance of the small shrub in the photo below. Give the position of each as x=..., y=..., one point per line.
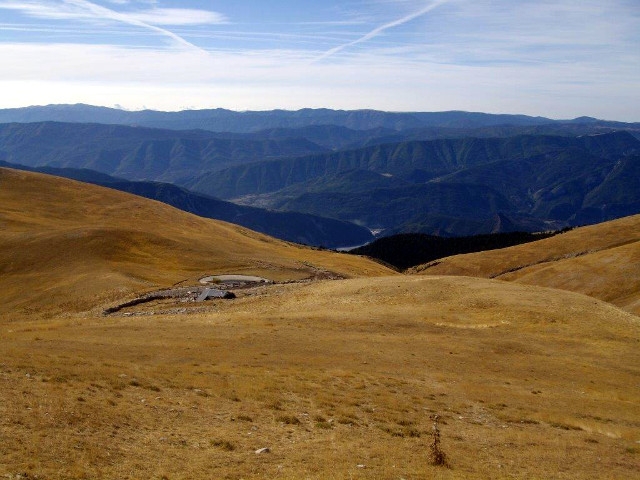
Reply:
x=529, y=421
x=405, y=423
x=289, y=420
x=346, y=421
x=223, y=445
x=275, y=405
x=399, y=433
x=564, y=426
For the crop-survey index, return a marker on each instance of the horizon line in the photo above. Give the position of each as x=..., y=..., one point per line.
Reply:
x=364, y=109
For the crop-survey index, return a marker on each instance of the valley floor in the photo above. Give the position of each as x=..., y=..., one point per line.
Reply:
x=339, y=379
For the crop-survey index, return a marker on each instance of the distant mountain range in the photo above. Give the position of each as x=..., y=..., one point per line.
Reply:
x=291, y=226
x=221, y=120
x=443, y=173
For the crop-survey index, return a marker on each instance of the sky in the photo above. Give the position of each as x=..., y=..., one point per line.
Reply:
x=556, y=58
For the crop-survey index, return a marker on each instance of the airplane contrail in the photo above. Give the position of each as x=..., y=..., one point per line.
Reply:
x=107, y=13
x=380, y=29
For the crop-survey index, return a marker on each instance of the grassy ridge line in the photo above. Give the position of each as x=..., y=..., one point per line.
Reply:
x=410, y=249
x=602, y=261
x=289, y=226
x=71, y=246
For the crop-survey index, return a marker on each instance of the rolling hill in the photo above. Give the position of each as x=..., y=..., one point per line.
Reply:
x=290, y=226
x=602, y=261
x=526, y=381
x=408, y=250
x=73, y=245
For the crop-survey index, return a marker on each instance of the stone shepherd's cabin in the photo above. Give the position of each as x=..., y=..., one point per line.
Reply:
x=213, y=293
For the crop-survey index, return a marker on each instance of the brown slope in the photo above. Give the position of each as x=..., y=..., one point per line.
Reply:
x=530, y=383
x=602, y=261
x=70, y=246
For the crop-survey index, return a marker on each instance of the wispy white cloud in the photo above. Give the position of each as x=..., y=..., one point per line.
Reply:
x=127, y=2
x=84, y=10
x=377, y=31
x=333, y=23
x=559, y=58
x=262, y=79
x=178, y=16
x=99, y=11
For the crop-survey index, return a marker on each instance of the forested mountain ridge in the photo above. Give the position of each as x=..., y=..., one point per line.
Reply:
x=137, y=153
x=524, y=183
x=416, y=161
x=446, y=186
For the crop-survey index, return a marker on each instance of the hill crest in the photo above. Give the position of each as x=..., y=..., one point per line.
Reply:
x=67, y=246
x=601, y=260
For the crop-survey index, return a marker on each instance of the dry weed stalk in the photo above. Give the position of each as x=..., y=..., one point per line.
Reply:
x=437, y=457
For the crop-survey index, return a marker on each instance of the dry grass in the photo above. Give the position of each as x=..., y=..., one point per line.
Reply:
x=329, y=376
x=602, y=261
x=67, y=246
x=339, y=379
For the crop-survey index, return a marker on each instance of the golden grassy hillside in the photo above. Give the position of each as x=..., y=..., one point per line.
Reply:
x=529, y=382
x=602, y=261
x=67, y=246
x=339, y=379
